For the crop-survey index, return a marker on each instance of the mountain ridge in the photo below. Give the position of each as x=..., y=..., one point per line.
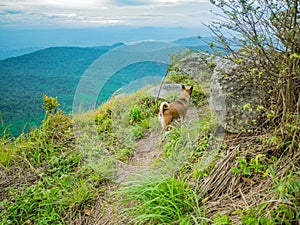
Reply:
x=190, y=41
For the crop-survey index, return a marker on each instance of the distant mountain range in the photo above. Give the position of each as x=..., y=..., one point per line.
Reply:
x=56, y=71
x=15, y=42
x=189, y=42
x=193, y=41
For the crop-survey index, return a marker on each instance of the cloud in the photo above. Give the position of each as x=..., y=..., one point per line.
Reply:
x=104, y=12
x=13, y=11
x=131, y=2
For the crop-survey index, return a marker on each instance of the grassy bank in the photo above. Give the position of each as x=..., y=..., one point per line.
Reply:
x=65, y=171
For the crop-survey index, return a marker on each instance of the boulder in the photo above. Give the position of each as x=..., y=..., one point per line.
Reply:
x=194, y=65
x=166, y=90
x=234, y=97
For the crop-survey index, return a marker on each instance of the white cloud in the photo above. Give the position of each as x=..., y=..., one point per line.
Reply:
x=104, y=12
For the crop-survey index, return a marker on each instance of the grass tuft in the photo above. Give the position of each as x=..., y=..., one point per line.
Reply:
x=156, y=199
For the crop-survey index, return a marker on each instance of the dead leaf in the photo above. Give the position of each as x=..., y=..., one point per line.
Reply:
x=205, y=200
x=248, y=180
x=87, y=212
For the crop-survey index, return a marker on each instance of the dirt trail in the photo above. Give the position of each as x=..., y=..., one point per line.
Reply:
x=147, y=151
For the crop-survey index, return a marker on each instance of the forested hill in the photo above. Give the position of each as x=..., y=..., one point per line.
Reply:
x=54, y=71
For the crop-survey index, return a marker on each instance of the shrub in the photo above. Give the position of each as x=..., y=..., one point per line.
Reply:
x=263, y=38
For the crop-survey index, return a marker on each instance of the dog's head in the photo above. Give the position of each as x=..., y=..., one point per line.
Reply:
x=188, y=91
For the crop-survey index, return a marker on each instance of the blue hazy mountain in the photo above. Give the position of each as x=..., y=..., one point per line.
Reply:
x=195, y=43
x=15, y=42
x=192, y=41
x=4, y=54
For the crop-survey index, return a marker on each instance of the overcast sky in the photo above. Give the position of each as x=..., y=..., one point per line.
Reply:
x=93, y=13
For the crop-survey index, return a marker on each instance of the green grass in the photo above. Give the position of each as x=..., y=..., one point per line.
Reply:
x=156, y=199
x=122, y=121
x=50, y=185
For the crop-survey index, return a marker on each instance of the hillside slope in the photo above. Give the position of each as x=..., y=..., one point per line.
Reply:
x=53, y=71
x=56, y=72
x=115, y=166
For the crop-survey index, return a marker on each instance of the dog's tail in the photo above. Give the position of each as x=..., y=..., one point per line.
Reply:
x=163, y=107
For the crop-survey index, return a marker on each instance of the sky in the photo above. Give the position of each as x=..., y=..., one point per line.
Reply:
x=34, y=24
x=94, y=13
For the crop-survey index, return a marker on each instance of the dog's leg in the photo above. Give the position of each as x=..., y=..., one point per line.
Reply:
x=163, y=123
x=167, y=121
x=181, y=119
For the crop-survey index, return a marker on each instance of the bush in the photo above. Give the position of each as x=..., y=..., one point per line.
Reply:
x=263, y=38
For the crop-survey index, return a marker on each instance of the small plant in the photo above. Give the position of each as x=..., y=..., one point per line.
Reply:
x=7, y=151
x=124, y=154
x=288, y=190
x=221, y=220
x=254, y=166
x=198, y=97
x=103, y=121
x=50, y=104
x=137, y=131
x=179, y=78
x=135, y=114
x=81, y=193
x=254, y=216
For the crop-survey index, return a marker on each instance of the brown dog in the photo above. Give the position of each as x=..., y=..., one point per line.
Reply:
x=176, y=109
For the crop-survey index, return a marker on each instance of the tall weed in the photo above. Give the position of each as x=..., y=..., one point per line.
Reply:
x=156, y=199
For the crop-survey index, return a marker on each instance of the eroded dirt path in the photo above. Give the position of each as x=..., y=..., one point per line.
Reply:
x=147, y=150
x=108, y=207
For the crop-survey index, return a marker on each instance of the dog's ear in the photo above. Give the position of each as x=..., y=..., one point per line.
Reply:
x=183, y=87
x=191, y=88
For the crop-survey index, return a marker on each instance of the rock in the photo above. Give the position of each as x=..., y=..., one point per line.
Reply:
x=234, y=97
x=194, y=65
x=166, y=90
